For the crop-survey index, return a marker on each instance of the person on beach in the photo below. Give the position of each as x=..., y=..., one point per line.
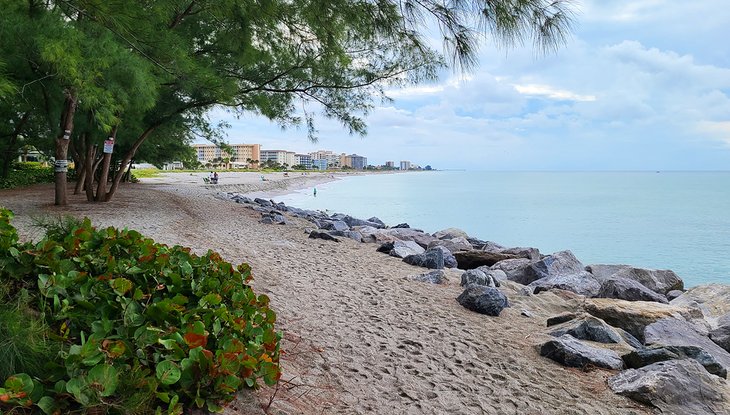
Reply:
x=215, y=177
x=315, y=192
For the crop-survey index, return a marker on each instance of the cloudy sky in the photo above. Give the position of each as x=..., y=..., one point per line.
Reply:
x=642, y=85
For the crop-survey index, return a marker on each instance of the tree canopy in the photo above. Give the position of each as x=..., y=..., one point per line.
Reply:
x=77, y=72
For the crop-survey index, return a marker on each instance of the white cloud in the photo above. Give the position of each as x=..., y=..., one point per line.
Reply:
x=551, y=92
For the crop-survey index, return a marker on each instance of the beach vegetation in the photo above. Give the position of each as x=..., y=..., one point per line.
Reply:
x=108, y=321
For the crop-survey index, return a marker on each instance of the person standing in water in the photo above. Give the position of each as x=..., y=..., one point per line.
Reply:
x=315, y=192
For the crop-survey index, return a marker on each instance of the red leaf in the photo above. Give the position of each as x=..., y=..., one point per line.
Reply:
x=194, y=340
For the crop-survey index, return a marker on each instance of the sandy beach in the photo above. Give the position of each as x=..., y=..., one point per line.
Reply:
x=360, y=337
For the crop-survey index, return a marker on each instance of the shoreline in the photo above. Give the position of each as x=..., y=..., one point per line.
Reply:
x=361, y=335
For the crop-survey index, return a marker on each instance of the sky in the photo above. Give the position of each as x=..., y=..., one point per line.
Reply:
x=641, y=85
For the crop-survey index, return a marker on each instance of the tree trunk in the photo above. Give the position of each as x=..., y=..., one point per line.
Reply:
x=101, y=195
x=127, y=159
x=62, y=140
x=9, y=152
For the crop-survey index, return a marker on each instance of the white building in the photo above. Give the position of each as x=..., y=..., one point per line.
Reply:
x=283, y=157
x=405, y=165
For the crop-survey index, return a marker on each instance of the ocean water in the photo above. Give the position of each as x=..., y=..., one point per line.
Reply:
x=664, y=220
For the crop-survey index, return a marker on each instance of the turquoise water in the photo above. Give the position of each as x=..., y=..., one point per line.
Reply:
x=668, y=220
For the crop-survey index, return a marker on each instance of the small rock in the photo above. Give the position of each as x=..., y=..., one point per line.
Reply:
x=671, y=295
x=526, y=313
x=478, y=277
x=263, y=202
x=475, y=259
x=553, y=321
x=434, y=277
x=588, y=328
x=449, y=260
x=322, y=235
x=401, y=226
x=433, y=258
x=402, y=249
x=483, y=300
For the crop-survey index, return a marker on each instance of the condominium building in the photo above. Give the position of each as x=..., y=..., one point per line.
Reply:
x=390, y=164
x=303, y=160
x=333, y=160
x=283, y=157
x=242, y=155
x=354, y=161
x=405, y=165
x=320, y=164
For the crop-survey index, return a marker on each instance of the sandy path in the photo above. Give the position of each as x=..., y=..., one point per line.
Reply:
x=359, y=336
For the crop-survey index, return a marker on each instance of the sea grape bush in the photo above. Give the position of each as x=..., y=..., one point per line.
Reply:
x=146, y=328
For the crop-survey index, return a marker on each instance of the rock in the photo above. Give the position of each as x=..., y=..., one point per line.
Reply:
x=273, y=218
x=402, y=249
x=483, y=300
x=660, y=281
x=553, y=321
x=433, y=258
x=263, y=202
x=376, y=220
x=352, y=222
x=449, y=259
x=559, y=263
x=683, y=338
x=671, y=295
x=450, y=233
x=569, y=351
x=401, y=226
x=676, y=387
x=453, y=245
x=721, y=335
x=632, y=316
x=533, y=254
x=475, y=259
x=653, y=354
x=629, y=290
x=713, y=300
x=354, y=235
x=581, y=283
x=434, y=277
x=322, y=235
x=371, y=234
x=515, y=269
x=385, y=247
x=478, y=277
x=410, y=234
x=334, y=225
x=588, y=328
x=527, y=313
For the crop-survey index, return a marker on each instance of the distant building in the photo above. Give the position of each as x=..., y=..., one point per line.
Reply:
x=405, y=165
x=390, y=164
x=303, y=160
x=354, y=161
x=283, y=157
x=173, y=165
x=242, y=155
x=320, y=164
x=333, y=160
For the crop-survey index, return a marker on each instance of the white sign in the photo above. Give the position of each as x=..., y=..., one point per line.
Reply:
x=61, y=166
x=108, y=146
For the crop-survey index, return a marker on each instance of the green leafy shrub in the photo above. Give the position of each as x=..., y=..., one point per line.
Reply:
x=144, y=327
x=30, y=173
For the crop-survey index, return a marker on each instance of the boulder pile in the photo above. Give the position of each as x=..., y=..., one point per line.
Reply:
x=666, y=342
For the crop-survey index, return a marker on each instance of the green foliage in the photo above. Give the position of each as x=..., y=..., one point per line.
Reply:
x=141, y=326
x=26, y=174
x=143, y=173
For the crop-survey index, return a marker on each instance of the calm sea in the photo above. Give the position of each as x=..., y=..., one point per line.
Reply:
x=665, y=220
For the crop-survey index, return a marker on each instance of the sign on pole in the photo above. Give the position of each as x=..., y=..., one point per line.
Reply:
x=108, y=146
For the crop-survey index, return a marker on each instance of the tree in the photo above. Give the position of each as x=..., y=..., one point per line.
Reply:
x=128, y=70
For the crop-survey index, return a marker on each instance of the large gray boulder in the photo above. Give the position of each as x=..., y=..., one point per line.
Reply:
x=677, y=387
x=483, y=300
x=683, y=336
x=588, y=328
x=322, y=235
x=449, y=259
x=402, y=249
x=410, y=234
x=569, y=351
x=354, y=235
x=453, y=245
x=450, y=233
x=645, y=356
x=334, y=225
x=433, y=258
x=515, y=269
x=713, y=300
x=721, y=335
x=657, y=280
x=581, y=283
x=629, y=290
x=559, y=263
x=479, y=277
x=632, y=316
x=476, y=259
x=533, y=254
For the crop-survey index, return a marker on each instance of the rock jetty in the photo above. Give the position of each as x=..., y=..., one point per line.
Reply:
x=666, y=347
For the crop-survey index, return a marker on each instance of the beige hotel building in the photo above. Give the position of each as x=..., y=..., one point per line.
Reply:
x=241, y=153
